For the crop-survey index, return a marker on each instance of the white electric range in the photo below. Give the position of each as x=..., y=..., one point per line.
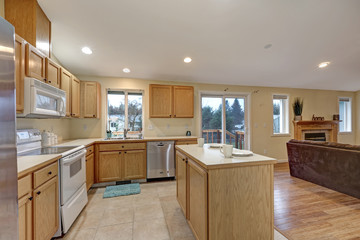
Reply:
x=72, y=174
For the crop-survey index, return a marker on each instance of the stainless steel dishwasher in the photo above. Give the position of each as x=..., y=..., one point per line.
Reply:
x=160, y=159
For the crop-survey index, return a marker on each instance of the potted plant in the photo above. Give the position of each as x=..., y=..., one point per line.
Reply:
x=298, y=107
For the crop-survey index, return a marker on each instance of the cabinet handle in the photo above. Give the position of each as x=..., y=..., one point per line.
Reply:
x=49, y=81
x=170, y=115
x=38, y=193
x=122, y=146
x=30, y=198
x=125, y=152
x=50, y=172
x=94, y=115
x=119, y=152
x=186, y=161
x=183, y=159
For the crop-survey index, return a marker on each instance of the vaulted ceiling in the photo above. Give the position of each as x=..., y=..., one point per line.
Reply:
x=243, y=42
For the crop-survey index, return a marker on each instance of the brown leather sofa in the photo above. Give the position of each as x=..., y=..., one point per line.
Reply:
x=332, y=165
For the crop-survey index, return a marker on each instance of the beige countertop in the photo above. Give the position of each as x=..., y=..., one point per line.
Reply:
x=28, y=164
x=212, y=158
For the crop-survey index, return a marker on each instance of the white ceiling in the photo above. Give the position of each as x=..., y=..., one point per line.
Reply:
x=225, y=39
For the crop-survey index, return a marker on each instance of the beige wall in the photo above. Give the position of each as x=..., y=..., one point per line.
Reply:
x=2, y=8
x=318, y=102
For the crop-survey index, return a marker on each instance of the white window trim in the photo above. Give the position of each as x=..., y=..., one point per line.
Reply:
x=351, y=115
x=286, y=118
x=126, y=91
x=246, y=96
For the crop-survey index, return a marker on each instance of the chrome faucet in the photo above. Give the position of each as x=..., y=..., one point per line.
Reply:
x=126, y=130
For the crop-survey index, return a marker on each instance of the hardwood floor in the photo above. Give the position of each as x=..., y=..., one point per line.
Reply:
x=304, y=210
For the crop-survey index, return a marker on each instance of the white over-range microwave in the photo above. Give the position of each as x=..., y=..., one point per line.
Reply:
x=42, y=100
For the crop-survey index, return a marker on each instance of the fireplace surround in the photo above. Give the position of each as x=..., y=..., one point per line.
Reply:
x=316, y=130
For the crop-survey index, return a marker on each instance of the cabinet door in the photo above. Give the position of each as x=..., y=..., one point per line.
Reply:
x=198, y=200
x=34, y=63
x=90, y=99
x=183, y=102
x=66, y=81
x=25, y=218
x=160, y=101
x=109, y=166
x=134, y=164
x=46, y=210
x=181, y=180
x=52, y=73
x=75, y=97
x=19, y=72
x=89, y=171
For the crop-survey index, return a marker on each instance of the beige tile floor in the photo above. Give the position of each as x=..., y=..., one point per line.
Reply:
x=154, y=214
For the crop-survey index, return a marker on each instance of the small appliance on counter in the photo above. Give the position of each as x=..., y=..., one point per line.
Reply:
x=188, y=133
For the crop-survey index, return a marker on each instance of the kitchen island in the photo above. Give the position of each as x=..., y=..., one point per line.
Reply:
x=225, y=198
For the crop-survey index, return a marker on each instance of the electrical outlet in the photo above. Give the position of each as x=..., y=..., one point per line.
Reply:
x=85, y=127
x=186, y=126
x=167, y=126
x=150, y=127
x=265, y=151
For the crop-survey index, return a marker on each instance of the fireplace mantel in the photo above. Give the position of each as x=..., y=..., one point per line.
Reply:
x=330, y=126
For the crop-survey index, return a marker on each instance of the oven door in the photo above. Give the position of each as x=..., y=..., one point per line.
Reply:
x=73, y=174
x=46, y=102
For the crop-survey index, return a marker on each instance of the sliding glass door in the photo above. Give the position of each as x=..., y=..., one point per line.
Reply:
x=224, y=120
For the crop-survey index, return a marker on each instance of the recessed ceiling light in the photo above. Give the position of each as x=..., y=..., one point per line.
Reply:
x=187, y=60
x=126, y=70
x=323, y=64
x=86, y=50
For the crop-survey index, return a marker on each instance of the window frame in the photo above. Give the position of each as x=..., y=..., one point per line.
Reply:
x=126, y=92
x=285, y=119
x=349, y=121
x=223, y=95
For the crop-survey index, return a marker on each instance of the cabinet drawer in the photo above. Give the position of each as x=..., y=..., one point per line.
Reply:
x=89, y=150
x=186, y=142
x=121, y=146
x=45, y=174
x=24, y=186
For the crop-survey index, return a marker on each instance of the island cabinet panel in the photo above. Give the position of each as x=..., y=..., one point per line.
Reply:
x=181, y=181
x=198, y=219
x=183, y=102
x=109, y=166
x=160, y=101
x=134, y=164
x=19, y=72
x=46, y=210
x=25, y=218
x=89, y=170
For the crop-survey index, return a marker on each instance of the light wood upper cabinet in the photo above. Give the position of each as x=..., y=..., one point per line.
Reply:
x=109, y=166
x=75, y=97
x=46, y=210
x=181, y=181
x=183, y=102
x=134, y=164
x=198, y=200
x=90, y=99
x=34, y=63
x=19, y=72
x=168, y=101
x=52, y=73
x=25, y=218
x=30, y=23
x=66, y=82
x=89, y=170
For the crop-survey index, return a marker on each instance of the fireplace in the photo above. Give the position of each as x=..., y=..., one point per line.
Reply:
x=315, y=136
x=316, y=130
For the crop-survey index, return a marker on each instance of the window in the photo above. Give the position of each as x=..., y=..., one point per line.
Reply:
x=345, y=114
x=223, y=119
x=124, y=111
x=280, y=114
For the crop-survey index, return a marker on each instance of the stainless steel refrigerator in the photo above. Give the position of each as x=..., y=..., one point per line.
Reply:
x=8, y=161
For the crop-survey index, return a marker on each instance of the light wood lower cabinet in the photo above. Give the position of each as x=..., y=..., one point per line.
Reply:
x=134, y=164
x=46, y=210
x=121, y=165
x=90, y=170
x=26, y=217
x=181, y=186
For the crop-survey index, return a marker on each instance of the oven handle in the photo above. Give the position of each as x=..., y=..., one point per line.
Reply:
x=72, y=158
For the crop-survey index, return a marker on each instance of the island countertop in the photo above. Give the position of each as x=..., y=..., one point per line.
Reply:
x=212, y=158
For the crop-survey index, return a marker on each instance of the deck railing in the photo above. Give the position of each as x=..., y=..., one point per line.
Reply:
x=236, y=139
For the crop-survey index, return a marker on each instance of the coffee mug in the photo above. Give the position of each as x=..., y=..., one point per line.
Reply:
x=200, y=142
x=226, y=150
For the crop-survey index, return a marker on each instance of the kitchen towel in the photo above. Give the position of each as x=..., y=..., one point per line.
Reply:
x=122, y=190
